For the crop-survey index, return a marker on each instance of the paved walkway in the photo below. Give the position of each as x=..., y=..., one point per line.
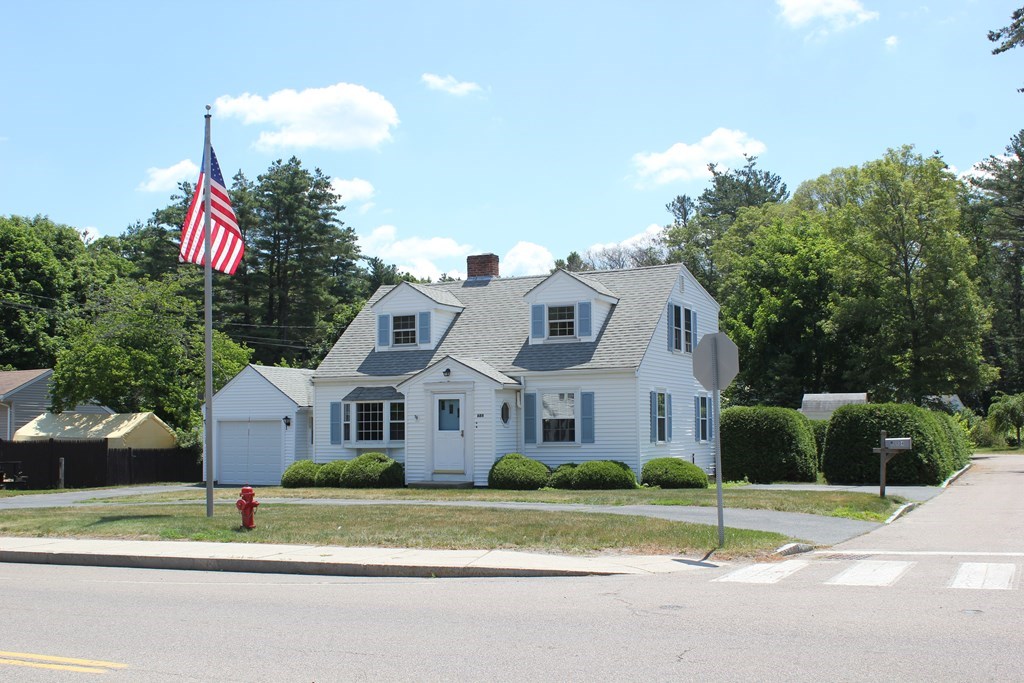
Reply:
x=343, y=561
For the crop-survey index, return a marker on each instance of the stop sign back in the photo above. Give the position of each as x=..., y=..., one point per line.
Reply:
x=716, y=353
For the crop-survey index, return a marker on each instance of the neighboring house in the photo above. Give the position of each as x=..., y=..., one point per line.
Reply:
x=563, y=368
x=821, y=406
x=262, y=424
x=25, y=395
x=121, y=430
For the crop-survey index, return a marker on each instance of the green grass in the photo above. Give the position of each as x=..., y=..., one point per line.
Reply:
x=847, y=504
x=997, y=449
x=405, y=526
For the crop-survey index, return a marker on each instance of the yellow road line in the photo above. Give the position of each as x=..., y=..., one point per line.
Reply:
x=62, y=663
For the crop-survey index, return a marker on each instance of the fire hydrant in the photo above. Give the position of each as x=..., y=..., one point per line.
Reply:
x=247, y=506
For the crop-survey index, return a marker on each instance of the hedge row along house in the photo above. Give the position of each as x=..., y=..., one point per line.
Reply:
x=448, y=377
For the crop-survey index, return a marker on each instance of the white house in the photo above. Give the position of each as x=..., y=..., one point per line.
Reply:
x=25, y=395
x=262, y=423
x=563, y=368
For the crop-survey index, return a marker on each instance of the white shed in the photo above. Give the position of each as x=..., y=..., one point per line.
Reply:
x=263, y=422
x=821, y=406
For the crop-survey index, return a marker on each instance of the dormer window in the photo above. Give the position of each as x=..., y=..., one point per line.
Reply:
x=404, y=329
x=561, y=321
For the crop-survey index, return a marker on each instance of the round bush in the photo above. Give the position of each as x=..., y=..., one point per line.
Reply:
x=373, y=470
x=765, y=445
x=854, y=431
x=516, y=472
x=673, y=473
x=329, y=475
x=603, y=474
x=300, y=474
x=562, y=477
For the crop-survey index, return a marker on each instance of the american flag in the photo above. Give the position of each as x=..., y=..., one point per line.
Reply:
x=227, y=247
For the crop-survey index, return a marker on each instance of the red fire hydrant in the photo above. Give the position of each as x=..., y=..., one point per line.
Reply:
x=247, y=506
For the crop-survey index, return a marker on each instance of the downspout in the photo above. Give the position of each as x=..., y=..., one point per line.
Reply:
x=521, y=412
x=636, y=407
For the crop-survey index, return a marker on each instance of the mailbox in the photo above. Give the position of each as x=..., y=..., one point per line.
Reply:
x=903, y=444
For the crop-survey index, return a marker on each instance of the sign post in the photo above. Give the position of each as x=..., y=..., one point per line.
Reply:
x=716, y=362
x=888, y=448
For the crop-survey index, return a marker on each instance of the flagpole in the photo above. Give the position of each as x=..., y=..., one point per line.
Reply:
x=208, y=303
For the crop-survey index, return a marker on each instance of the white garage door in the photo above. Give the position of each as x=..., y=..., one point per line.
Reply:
x=249, y=452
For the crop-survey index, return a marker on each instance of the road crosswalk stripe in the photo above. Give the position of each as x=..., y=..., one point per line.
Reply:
x=764, y=573
x=984, y=575
x=871, y=573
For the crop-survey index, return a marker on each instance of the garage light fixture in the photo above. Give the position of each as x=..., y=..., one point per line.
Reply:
x=447, y=372
x=287, y=421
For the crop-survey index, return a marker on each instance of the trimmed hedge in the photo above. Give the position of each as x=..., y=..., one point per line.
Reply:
x=765, y=445
x=562, y=477
x=959, y=439
x=300, y=474
x=516, y=472
x=603, y=474
x=673, y=473
x=373, y=471
x=329, y=475
x=854, y=430
x=820, y=429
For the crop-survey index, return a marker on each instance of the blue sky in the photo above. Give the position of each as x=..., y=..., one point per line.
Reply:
x=526, y=129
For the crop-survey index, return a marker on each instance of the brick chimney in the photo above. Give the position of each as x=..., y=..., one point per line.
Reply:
x=482, y=266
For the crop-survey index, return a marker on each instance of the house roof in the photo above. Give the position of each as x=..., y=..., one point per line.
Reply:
x=494, y=328
x=441, y=296
x=373, y=394
x=295, y=383
x=588, y=282
x=12, y=380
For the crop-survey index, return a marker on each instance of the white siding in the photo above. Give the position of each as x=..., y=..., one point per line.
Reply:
x=327, y=391
x=303, y=449
x=615, y=418
x=672, y=371
x=407, y=301
x=506, y=436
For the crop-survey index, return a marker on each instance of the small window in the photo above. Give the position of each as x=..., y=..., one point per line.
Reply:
x=558, y=417
x=677, y=328
x=688, y=327
x=702, y=418
x=506, y=413
x=403, y=329
x=661, y=417
x=561, y=321
x=396, y=428
x=348, y=422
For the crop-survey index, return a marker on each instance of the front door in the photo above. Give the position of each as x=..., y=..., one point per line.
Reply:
x=449, y=434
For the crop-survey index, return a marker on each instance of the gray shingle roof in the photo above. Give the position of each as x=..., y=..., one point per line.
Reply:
x=295, y=383
x=494, y=327
x=441, y=296
x=373, y=394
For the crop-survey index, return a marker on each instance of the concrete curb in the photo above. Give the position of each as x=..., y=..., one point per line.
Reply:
x=902, y=510
x=794, y=549
x=956, y=475
x=259, y=566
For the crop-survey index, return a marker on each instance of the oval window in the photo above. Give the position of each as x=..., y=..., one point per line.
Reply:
x=506, y=413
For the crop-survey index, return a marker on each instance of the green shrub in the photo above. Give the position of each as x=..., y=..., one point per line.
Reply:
x=300, y=474
x=562, y=477
x=959, y=439
x=514, y=471
x=329, y=475
x=765, y=445
x=604, y=474
x=854, y=431
x=820, y=428
x=673, y=473
x=373, y=471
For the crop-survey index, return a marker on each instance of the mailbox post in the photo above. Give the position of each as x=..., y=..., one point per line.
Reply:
x=889, y=448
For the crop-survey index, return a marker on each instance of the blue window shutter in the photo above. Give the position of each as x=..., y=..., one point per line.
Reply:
x=537, y=321
x=668, y=415
x=693, y=326
x=424, y=331
x=587, y=417
x=383, y=330
x=671, y=331
x=654, y=416
x=696, y=419
x=530, y=418
x=335, y=423
x=583, y=313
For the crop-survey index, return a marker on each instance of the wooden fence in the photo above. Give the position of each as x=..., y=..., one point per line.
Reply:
x=92, y=463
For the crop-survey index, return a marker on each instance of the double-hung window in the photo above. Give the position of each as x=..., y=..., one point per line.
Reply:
x=661, y=416
x=396, y=425
x=558, y=417
x=702, y=418
x=561, y=321
x=403, y=329
x=368, y=421
x=682, y=328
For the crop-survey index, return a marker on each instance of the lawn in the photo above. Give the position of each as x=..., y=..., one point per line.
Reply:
x=406, y=526
x=847, y=504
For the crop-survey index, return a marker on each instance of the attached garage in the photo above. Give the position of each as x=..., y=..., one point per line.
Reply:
x=262, y=424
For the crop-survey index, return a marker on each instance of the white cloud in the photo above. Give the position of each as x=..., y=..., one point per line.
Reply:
x=648, y=236
x=89, y=234
x=976, y=172
x=690, y=162
x=354, y=190
x=827, y=15
x=527, y=258
x=340, y=116
x=424, y=258
x=449, y=85
x=892, y=42
x=167, y=179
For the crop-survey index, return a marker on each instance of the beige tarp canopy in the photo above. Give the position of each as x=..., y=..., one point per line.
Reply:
x=124, y=430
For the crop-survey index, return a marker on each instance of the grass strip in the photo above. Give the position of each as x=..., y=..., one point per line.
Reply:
x=407, y=526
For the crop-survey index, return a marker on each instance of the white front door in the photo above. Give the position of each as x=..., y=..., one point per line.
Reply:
x=449, y=434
